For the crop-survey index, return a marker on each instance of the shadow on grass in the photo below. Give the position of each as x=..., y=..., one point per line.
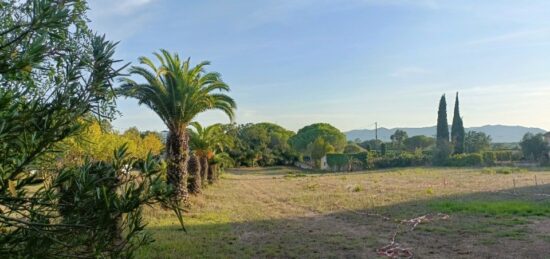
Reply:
x=475, y=229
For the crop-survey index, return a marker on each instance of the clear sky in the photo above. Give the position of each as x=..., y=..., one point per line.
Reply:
x=348, y=62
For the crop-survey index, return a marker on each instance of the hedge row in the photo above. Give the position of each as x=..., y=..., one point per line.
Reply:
x=339, y=162
x=403, y=160
x=489, y=158
x=466, y=160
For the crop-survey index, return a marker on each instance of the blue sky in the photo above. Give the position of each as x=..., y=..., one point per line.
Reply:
x=348, y=62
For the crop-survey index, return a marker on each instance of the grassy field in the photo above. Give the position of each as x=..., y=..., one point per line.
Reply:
x=283, y=212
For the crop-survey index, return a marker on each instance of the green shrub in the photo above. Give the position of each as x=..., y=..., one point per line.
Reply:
x=489, y=158
x=441, y=154
x=362, y=157
x=503, y=156
x=465, y=160
x=338, y=162
x=517, y=156
x=402, y=160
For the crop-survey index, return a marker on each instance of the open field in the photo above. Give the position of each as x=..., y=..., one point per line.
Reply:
x=284, y=212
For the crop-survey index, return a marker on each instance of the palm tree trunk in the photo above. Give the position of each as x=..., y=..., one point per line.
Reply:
x=204, y=169
x=194, y=168
x=212, y=173
x=177, y=150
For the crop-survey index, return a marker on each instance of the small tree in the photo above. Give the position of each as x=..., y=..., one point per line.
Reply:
x=475, y=142
x=398, y=137
x=418, y=142
x=534, y=147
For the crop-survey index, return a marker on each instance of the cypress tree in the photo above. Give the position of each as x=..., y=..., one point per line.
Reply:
x=457, y=129
x=443, y=147
x=442, y=124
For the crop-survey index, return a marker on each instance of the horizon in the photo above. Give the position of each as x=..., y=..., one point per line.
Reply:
x=466, y=127
x=295, y=63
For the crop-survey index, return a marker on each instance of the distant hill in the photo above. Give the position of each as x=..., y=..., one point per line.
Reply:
x=499, y=133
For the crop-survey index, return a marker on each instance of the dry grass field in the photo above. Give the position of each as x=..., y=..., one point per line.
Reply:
x=283, y=212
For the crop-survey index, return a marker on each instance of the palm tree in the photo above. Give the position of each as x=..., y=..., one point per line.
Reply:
x=206, y=142
x=177, y=92
x=218, y=163
x=194, y=170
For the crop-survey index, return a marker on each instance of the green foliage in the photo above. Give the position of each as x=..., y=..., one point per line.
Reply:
x=208, y=141
x=54, y=71
x=338, y=162
x=489, y=158
x=503, y=156
x=352, y=148
x=418, y=142
x=476, y=142
x=442, y=124
x=176, y=90
x=345, y=162
x=362, y=157
x=441, y=153
x=534, y=147
x=372, y=144
x=319, y=148
x=309, y=134
x=465, y=160
x=263, y=144
x=457, y=130
x=383, y=149
x=97, y=140
x=106, y=201
x=398, y=137
x=494, y=208
x=443, y=148
x=402, y=160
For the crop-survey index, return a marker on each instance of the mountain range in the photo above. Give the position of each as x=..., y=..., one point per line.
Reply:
x=498, y=133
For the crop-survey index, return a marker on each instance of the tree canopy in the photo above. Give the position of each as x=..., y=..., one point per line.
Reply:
x=534, y=147
x=475, y=142
x=398, y=137
x=418, y=142
x=353, y=148
x=261, y=144
x=309, y=134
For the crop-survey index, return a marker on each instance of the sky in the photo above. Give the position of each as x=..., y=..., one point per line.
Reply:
x=349, y=63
